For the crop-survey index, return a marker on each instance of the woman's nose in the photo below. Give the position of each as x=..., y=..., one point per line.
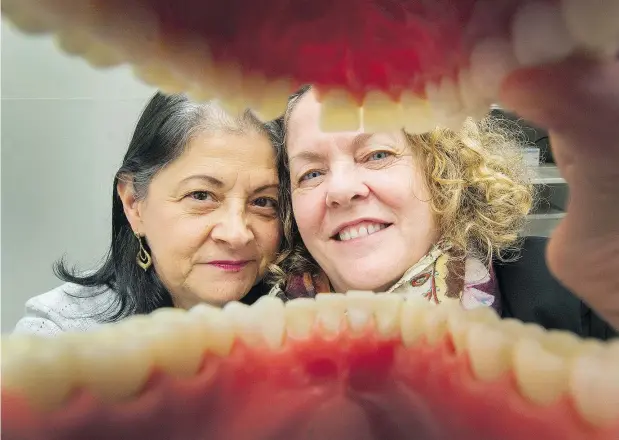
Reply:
x=233, y=230
x=344, y=186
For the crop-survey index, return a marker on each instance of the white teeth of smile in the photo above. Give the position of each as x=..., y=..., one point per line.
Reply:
x=360, y=231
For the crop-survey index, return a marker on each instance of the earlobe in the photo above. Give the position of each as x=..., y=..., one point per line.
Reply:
x=126, y=193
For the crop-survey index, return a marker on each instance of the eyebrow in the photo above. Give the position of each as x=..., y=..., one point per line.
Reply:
x=210, y=179
x=265, y=187
x=311, y=156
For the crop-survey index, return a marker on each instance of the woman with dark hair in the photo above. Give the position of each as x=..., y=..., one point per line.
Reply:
x=194, y=219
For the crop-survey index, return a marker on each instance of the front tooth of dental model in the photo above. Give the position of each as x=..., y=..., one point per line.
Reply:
x=168, y=315
x=359, y=310
x=21, y=15
x=331, y=308
x=387, y=314
x=539, y=34
x=219, y=329
x=300, y=317
x=158, y=75
x=339, y=112
x=444, y=99
x=594, y=24
x=519, y=329
x=594, y=388
x=177, y=342
x=489, y=350
x=381, y=113
x=491, y=61
x=412, y=319
x=273, y=99
x=475, y=106
x=135, y=32
x=417, y=114
x=436, y=323
x=541, y=376
x=102, y=56
x=245, y=323
x=73, y=41
x=228, y=79
x=201, y=309
x=254, y=86
x=613, y=349
x=57, y=14
x=459, y=323
x=561, y=343
x=200, y=94
x=114, y=363
x=271, y=320
x=191, y=60
x=41, y=369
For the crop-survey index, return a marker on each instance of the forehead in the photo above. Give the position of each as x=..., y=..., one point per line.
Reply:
x=304, y=123
x=305, y=111
x=304, y=130
x=226, y=155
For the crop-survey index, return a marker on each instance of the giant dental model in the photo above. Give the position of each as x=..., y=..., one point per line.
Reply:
x=355, y=366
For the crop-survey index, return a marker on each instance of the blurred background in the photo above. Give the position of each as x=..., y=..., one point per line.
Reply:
x=65, y=128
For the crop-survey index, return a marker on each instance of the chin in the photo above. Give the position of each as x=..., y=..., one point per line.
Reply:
x=374, y=279
x=219, y=294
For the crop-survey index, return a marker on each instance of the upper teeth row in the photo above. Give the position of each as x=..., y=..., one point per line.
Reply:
x=115, y=362
x=360, y=230
x=541, y=31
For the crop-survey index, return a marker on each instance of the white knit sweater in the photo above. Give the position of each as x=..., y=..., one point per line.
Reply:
x=67, y=308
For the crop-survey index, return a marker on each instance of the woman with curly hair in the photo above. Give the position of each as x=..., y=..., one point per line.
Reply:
x=419, y=215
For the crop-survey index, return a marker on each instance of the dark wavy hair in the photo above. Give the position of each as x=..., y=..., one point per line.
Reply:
x=293, y=258
x=165, y=127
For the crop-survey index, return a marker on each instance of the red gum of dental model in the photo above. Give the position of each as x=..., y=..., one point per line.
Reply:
x=356, y=45
x=344, y=388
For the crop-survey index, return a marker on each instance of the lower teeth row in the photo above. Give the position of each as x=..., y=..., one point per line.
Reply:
x=115, y=362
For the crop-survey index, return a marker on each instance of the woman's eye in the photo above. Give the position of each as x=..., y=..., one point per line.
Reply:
x=379, y=155
x=200, y=195
x=265, y=202
x=310, y=175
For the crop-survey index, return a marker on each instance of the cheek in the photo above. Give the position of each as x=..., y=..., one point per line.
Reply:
x=268, y=236
x=307, y=208
x=398, y=186
x=405, y=192
x=172, y=234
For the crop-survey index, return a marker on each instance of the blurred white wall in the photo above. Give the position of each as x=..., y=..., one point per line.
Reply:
x=65, y=127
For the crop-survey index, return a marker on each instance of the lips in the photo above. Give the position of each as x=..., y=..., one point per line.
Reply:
x=229, y=265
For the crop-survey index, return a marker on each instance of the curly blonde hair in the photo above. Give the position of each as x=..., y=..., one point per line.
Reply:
x=479, y=187
x=480, y=192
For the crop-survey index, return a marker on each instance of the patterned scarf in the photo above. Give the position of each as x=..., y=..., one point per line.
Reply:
x=436, y=277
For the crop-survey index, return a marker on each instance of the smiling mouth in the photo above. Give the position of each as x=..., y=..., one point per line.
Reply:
x=360, y=230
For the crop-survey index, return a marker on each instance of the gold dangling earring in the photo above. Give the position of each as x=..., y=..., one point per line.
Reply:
x=143, y=258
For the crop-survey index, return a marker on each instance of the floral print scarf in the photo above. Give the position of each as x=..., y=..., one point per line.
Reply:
x=437, y=277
